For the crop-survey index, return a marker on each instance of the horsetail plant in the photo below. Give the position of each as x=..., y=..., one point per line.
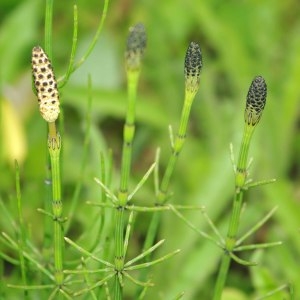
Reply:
x=255, y=103
x=119, y=268
x=192, y=70
x=136, y=44
x=46, y=89
x=48, y=99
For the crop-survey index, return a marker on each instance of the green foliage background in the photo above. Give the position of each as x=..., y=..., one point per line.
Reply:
x=239, y=39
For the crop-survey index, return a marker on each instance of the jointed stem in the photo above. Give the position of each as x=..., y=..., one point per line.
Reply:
x=48, y=234
x=54, y=144
x=177, y=147
x=241, y=172
x=119, y=239
x=240, y=180
x=128, y=135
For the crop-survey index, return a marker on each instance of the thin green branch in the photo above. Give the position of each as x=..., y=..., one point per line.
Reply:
x=9, y=259
x=99, y=283
x=156, y=171
x=137, y=282
x=212, y=226
x=94, y=41
x=73, y=50
x=257, y=246
x=54, y=293
x=63, y=292
x=83, y=251
x=31, y=287
x=141, y=183
x=28, y=256
x=287, y=286
x=259, y=183
x=179, y=296
x=153, y=262
x=242, y=261
x=143, y=254
x=127, y=234
x=256, y=226
x=87, y=279
x=189, y=224
x=84, y=271
x=8, y=215
x=108, y=192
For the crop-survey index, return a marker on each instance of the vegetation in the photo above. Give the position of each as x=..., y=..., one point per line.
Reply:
x=158, y=198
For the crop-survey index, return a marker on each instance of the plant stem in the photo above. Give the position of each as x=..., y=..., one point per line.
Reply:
x=54, y=145
x=176, y=149
x=48, y=234
x=192, y=68
x=119, y=239
x=119, y=247
x=118, y=290
x=240, y=180
x=48, y=27
x=162, y=195
x=128, y=135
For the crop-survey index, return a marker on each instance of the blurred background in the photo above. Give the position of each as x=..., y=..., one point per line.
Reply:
x=239, y=40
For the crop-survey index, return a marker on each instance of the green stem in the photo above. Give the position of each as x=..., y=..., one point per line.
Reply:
x=119, y=250
x=152, y=231
x=48, y=27
x=128, y=135
x=118, y=289
x=119, y=239
x=226, y=259
x=48, y=183
x=48, y=234
x=176, y=149
x=54, y=144
x=162, y=195
x=241, y=172
x=240, y=181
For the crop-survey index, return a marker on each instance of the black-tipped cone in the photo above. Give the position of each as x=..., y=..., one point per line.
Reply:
x=136, y=45
x=256, y=100
x=192, y=67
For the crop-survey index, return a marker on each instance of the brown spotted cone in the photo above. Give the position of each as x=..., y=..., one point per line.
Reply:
x=45, y=84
